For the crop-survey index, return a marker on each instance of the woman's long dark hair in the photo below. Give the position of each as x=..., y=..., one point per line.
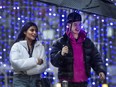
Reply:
x=21, y=35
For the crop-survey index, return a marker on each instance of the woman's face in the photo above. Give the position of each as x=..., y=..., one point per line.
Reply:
x=31, y=33
x=76, y=27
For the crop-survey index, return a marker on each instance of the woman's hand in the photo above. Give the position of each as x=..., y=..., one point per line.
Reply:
x=40, y=61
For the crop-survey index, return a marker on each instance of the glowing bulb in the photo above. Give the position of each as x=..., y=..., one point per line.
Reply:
x=0, y=7
x=62, y=15
x=49, y=48
x=58, y=85
x=50, y=14
x=45, y=73
x=105, y=85
x=14, y=7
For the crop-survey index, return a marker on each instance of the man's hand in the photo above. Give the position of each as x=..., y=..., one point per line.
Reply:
x=102, y=76
x=64, y=50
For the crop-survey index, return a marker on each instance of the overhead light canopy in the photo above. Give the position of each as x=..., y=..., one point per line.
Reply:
x=101, y=7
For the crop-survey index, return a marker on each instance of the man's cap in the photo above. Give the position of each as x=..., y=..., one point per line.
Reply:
x=73, y=17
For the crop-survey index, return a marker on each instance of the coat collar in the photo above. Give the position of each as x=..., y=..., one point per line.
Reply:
x=24, y=43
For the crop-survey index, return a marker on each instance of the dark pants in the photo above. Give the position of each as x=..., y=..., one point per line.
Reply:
x=75, y=84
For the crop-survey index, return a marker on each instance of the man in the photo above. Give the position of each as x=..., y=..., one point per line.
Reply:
x=75, y=54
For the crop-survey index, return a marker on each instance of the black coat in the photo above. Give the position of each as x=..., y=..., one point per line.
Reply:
x=92, y=58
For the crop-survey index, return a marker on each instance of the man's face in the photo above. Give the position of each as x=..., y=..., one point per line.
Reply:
x=75, y=28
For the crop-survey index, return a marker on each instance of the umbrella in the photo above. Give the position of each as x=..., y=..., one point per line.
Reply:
x=101, y=7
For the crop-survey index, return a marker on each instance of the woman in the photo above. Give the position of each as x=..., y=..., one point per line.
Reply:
x=27, y=57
